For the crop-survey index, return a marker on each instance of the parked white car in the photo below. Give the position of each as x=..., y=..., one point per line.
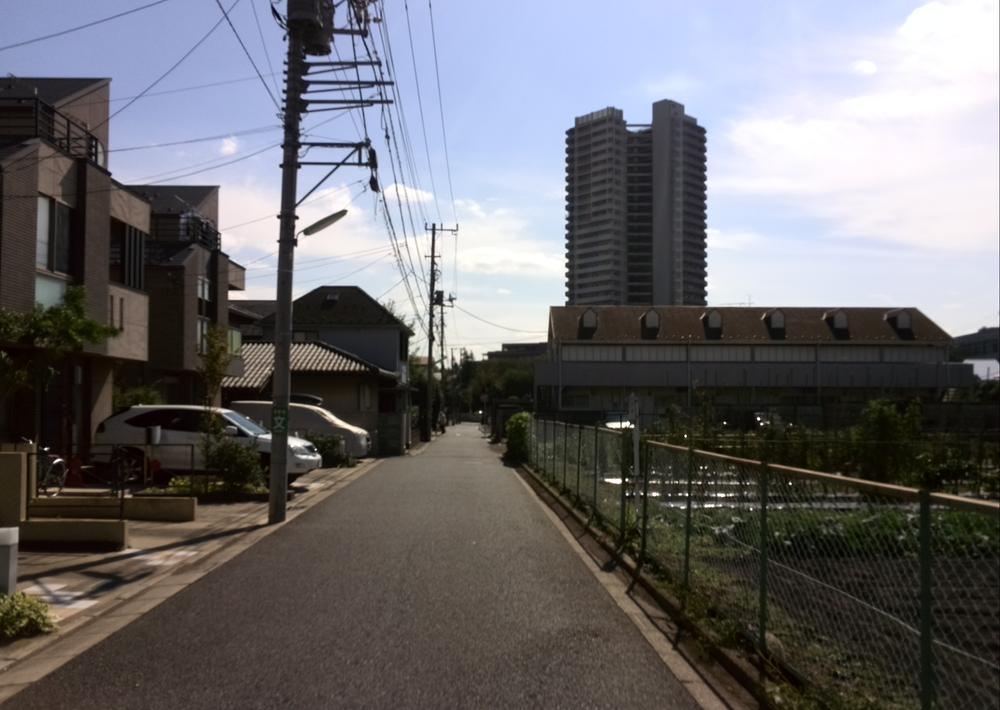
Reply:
x=181, y=434
x=309, y=420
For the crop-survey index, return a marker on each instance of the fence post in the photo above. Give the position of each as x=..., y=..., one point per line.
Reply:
x=545, y=445
x=645, y=502
x=565, y=450
x=762, y=598
x=687, y=527
x=579, y=456
x=552, y=471
x=624, y=475
x=597, y=449
x=927, y=680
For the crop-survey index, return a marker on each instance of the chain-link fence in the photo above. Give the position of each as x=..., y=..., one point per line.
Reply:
x=859, y=593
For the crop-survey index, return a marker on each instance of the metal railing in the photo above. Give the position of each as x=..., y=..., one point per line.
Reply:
x=857, y=593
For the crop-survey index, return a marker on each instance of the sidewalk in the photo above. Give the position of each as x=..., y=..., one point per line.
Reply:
x=82, y=586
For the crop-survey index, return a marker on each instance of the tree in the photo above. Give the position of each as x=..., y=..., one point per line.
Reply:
x=215, y=358
x=51, y=334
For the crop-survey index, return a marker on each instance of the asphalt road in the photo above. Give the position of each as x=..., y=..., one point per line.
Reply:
x=433, y=581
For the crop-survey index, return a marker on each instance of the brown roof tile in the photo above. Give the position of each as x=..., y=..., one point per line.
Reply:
x=258, y=362
x=743, y=325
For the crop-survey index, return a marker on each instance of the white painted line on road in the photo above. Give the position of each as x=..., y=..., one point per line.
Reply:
x=679, y=666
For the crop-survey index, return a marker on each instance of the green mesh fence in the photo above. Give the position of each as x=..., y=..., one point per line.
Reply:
x=867, y=594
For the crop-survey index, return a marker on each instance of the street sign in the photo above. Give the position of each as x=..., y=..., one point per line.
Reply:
x=279, y=420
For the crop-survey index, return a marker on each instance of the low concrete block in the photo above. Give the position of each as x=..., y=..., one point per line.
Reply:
x=166, y=509
x=59, y=532
x=13, y=485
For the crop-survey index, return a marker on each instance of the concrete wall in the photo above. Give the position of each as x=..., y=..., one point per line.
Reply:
x=18, y=214
x=131, y=316
x=130, y=209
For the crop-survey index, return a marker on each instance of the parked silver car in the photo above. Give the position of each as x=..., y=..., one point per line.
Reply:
x=181, y=427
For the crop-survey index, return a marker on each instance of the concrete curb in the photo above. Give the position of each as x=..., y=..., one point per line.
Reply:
x=89, y=627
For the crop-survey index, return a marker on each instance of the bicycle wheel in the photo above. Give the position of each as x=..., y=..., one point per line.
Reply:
x=52, y=481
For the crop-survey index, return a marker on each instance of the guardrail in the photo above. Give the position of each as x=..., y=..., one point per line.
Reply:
x=860, y=593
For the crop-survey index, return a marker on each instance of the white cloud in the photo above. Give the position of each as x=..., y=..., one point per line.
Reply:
x=408, y=193
x=229, y=146
x=731, y=240
x=496, y=241
x=865, y=67
x=912, y=157
x=503, y=292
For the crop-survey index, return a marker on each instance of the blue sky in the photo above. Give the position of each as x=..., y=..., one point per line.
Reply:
x=852, y=146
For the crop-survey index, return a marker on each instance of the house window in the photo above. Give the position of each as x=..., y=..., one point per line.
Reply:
x=205, y=288
x=203, y=325
x=52, y=243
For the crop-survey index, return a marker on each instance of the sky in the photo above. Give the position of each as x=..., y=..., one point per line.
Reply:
x=853, y=147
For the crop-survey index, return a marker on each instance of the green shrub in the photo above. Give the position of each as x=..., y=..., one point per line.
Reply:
x=142, y=394
x=331, y=448
x=517, y=433
x=21, y=616
x=238, y=466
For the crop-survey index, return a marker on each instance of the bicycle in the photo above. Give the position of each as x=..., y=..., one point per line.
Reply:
x=50, y=471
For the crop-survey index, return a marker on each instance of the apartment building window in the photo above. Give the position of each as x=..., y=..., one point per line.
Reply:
x=592, y=353
x=205, y=288
x=720, y=353
x=203, y=325
x=52, y=243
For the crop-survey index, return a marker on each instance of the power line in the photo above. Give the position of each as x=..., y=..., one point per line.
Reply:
x=83, y=27
x=267, y=55
x=220, y=136
x=444, y=134
x=174, y=66
x=246, y=51
x=497, y=325
x=420, y=106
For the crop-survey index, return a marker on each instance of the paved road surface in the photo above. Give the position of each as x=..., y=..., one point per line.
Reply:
x=434, y=581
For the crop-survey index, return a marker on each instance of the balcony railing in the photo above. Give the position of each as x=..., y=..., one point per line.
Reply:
x=33, y=118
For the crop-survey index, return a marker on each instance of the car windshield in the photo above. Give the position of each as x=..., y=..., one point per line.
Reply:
x=244, y=423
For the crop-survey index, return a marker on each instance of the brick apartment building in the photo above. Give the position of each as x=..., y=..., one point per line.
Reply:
x=64, y=221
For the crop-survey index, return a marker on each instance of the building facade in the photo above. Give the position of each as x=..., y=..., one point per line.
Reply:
x=754, y=358
x=347, y=318
x=636, y=209
x=62, y=217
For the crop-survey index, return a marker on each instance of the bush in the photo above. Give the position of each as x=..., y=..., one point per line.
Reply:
x=518, y=440
x=238, y=466
x=21, y=616
x=331, y=448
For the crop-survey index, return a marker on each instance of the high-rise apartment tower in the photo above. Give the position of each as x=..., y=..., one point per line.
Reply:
x=635, y=209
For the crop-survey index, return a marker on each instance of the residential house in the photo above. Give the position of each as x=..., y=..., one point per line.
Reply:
x=348, y=385
x=347, y=318
x=749, y=358
x=188, y=278
x=61, y=218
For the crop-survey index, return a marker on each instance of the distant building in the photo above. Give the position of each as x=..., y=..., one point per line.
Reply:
x=984, y=344
x=188, y=278
x=347, y=318
x=635, y=209
x=749, y=357
x=519, y=351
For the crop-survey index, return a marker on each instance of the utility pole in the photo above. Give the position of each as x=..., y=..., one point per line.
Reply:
x=281, y=382
x=310, y=30
x=434, y=298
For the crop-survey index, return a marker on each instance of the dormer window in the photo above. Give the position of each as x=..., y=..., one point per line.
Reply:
x=901, y=321
x=588, y=324
x=650, y=324
x=712, y=322
x=837, y=320
x=774, y=321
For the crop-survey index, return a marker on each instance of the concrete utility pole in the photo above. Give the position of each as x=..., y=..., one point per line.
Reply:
x=305, y=21
x=434, y=298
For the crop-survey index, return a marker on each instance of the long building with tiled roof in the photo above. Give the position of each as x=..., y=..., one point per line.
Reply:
x=747, y=356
